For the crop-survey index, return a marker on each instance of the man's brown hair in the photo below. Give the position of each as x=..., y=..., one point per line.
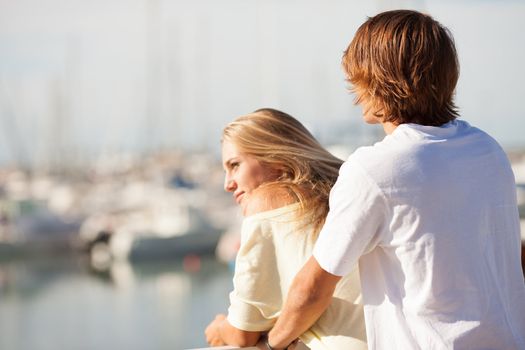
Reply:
x=405, y=64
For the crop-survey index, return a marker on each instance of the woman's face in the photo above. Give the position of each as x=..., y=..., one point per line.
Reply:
x=244, y=173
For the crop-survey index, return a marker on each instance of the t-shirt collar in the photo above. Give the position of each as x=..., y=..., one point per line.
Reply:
x=444, y=131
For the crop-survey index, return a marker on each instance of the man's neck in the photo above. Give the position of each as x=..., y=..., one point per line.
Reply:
x=389, y=127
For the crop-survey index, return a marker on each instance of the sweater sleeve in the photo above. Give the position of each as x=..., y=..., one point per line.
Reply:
x=256, y=299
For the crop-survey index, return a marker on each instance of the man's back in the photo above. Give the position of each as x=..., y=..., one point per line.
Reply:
x=429, y=213
x=442, y=269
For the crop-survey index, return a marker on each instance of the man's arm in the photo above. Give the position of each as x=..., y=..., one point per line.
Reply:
x=309, y=296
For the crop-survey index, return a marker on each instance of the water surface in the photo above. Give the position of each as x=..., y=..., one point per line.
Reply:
x=61, y=303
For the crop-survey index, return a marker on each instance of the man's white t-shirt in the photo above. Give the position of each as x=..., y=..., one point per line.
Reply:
x=430, y=215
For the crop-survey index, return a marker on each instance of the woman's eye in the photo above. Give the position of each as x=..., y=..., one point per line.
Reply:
x=234, y=165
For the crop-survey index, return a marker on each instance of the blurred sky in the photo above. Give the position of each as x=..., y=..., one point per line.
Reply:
x=79, y=78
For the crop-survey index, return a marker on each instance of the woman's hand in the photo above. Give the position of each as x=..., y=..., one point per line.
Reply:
x=212, y=332
x=220, y=332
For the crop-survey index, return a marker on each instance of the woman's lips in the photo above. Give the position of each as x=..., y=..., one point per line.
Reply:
x=238, y=197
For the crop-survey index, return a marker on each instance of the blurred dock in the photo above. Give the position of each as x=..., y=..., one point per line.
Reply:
x=166, y=206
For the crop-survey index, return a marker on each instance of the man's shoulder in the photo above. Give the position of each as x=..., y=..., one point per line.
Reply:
x=377, y=156
x=384, y=160
x=364, y=169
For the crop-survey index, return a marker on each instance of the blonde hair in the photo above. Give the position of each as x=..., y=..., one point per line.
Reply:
x=279, y=141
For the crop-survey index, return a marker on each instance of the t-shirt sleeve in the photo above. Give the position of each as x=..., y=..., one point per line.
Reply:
x=256, y=299
x=355, y=222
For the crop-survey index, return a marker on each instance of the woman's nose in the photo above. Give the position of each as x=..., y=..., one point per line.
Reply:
x=229, y=184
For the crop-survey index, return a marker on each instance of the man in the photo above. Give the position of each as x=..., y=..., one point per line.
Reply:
x=429, y=213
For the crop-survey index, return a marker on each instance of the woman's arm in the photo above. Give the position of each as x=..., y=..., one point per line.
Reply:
x=221, y=332
x=308, y=297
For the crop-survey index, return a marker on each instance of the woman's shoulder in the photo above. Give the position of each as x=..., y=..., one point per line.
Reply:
x=266, y=199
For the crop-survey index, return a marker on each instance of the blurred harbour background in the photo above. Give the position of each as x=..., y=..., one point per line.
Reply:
x=115, y=231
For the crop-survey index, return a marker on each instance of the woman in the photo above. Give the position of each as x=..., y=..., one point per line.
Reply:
x=281, y=178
